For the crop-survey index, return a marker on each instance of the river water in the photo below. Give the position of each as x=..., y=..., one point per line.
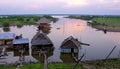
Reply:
x=100, y=43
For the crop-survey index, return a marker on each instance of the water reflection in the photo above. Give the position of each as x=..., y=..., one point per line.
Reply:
x=101, y=43
x=41, y=44
x=6, y=29
x=68, y=58
x=40, y=56
x=45, y=28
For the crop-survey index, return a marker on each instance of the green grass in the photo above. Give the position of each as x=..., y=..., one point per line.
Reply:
x=110, y=22
x=23, y=20
x=40, y=66
x=63, y=66
x=9, y=67
x=114, y=63
x=32, y=66
x=81, y=17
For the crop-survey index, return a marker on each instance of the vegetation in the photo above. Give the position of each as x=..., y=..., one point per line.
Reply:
x=81, y=17
x=22, y=20
x=32, y=66
x=109, y=22
x=63, y=66
x=40, y=66
x=7, y=67
x=113, y=63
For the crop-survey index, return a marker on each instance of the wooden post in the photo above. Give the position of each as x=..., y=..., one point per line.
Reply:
x=119, y=54
x=78, y=61
x=110, y=52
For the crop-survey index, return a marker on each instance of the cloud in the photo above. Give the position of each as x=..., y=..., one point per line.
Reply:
x=76, y=3
x=60, y=6
x=72, y=3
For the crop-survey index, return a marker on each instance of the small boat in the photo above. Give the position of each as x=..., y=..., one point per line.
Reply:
x=41, y=41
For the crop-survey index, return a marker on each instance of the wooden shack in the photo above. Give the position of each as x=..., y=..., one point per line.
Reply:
x=71, y=45
x=41, y=41
x=6, y=39
x=21, y=43
x=43, y=21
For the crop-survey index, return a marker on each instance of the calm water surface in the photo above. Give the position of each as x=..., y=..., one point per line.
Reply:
x=100, y=43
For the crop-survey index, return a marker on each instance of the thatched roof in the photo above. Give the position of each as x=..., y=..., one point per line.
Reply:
x=70, y=42
x=41, y=39
x=43, y=20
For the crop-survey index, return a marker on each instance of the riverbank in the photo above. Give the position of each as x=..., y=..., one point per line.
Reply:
x=108, y=23
x=109, y=29
x=98, y=64
x=6, y=21
x=40, y=66
x=102, y=64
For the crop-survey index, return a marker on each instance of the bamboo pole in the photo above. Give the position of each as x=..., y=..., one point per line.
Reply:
x=110, y=52
x=78, y=61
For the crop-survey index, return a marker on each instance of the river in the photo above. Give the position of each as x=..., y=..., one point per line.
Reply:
x=100, y=43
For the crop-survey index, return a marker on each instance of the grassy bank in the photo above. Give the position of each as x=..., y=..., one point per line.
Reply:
x=81, y=17
x=110, y=23
x=109, y=64
x=40, y=66
x=113, y=63
x=22, y=20
x=7, y=67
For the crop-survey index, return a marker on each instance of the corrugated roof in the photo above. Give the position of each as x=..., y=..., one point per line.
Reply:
x=7, y=36
x=21, y=41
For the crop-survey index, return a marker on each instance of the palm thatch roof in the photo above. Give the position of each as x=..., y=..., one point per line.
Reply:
x=41, y=39
x=43, y=20
x=70, y=42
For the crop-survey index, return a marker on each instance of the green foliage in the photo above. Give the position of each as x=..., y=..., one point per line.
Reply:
x=108, y=21
x=51, y=18
x=32, y=66
x=81, y=17
x=113, y=63
x=5, y=24
x=7, y=67
x=22, y=20
x=6, y=29
x=63, y=66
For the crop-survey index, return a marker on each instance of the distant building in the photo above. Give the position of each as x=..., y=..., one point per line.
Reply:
x=6, y=38
x=43, y=21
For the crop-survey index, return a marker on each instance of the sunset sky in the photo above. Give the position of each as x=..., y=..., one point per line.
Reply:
x=102, y=7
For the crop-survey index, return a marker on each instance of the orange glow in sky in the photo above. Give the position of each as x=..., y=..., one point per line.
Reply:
x=73, y=28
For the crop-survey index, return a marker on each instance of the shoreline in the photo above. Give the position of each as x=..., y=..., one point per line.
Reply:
x=108, y=29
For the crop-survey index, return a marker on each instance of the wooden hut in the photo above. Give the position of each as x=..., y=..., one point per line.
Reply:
x=43, y=21
x=21, y=43
x=71, y=45
x=6, y=39
x=41, y=41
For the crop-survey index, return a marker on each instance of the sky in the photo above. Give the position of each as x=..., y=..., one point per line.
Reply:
x=101, y=7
